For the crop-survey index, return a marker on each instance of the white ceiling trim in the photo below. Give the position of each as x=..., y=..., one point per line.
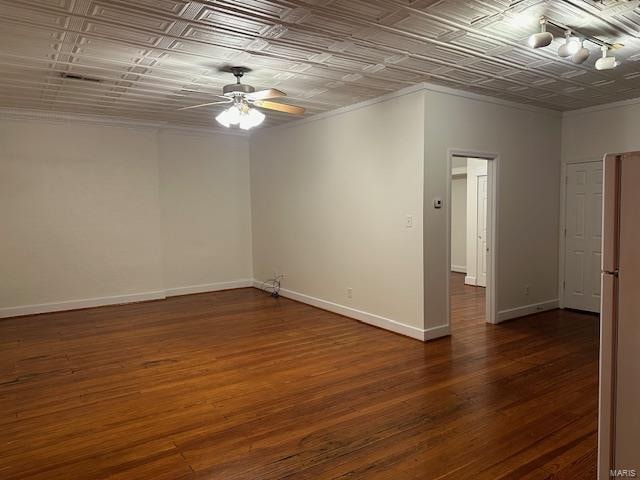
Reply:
x=202, y=131
x=108, y=121
x=64, y=117
x=599, y=108
x=421, y=87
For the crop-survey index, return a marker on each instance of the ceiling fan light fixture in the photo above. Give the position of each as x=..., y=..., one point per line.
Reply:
x=230, y=116
x=243, y=116
x=542, y=38
x=251, y=119
x=606, y=63
x=243, y=98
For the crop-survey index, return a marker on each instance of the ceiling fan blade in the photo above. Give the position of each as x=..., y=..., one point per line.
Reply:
x=280, y=107
x=266, y=94
x=205, y=104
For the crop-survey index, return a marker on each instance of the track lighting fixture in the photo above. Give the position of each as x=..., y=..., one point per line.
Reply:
x=573, y=46
x=542, y=38
x=570, y=46
x=606, y=63
x=581, y=55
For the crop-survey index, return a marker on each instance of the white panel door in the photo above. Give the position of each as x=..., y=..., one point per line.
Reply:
x=583, y=245
x=482, y=232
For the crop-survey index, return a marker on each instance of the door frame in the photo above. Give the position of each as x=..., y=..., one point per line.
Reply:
x=493, y=163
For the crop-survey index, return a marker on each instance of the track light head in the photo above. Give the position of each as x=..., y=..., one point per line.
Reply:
x=606, y=63
x=570, y=46
x=542, y=38
x=539, y=40
x=573, y=46
x=581, y=55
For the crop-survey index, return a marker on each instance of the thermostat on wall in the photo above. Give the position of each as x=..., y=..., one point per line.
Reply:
x=437, y=203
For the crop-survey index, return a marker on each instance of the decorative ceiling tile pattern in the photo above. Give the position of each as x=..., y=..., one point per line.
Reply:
x=144, y=59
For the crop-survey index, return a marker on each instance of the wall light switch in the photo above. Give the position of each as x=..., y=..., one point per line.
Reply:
x=409, y=221
x=437, y=203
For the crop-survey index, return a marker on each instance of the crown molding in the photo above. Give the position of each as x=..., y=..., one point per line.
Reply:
x=110, y=121
x=603, y=107
x=420, y=87
x=342, y=110
x=69, y=117
x=175, y=129
x=105, y=120
x=488, y=99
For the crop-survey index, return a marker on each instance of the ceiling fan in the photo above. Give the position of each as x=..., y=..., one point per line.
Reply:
x=244, y=97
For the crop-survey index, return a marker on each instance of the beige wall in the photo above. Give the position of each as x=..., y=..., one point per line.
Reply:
x=83, y=222
x=206, y=216
x=323, y=216
x=329, y=203
x=589, y=134
x=330, y=199
x=528, y=143
x=80, y=213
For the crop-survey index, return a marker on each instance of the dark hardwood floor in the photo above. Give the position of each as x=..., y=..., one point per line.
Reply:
x=468, y=303
x=236, y=385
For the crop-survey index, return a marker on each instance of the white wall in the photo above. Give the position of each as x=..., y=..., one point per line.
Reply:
x=589, y=134
x=80, y=213
x=459, y=223
x=83, y=220
x=206, y=211
x=528, y=144
x=330, y=199
x=319, y=187
x=329, y=203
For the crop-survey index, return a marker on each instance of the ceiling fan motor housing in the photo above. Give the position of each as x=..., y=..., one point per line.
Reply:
x=236, y=88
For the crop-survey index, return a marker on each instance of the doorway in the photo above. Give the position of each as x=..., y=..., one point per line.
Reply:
x=471, y=239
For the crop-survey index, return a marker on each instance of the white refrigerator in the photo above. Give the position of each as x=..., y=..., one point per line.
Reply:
x=619, y=413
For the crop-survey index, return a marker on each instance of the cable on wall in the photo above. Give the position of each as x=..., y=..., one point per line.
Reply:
x=272, y=286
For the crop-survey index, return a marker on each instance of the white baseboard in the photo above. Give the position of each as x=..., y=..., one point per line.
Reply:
x=517, y=312
x=459, y=268
x=437, y=332
x=369, y=318
x=470, y=281
x=365, y=317
x=209, y=287
x=120, y=299
x=77, y=304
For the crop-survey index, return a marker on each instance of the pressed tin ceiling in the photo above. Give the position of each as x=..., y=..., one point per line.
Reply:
x=144, y=59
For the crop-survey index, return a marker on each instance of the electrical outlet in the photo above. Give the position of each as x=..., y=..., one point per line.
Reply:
x=527, y=289
x=349, y=292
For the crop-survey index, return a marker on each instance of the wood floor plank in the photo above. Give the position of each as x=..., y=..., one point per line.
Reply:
x=237, y=385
